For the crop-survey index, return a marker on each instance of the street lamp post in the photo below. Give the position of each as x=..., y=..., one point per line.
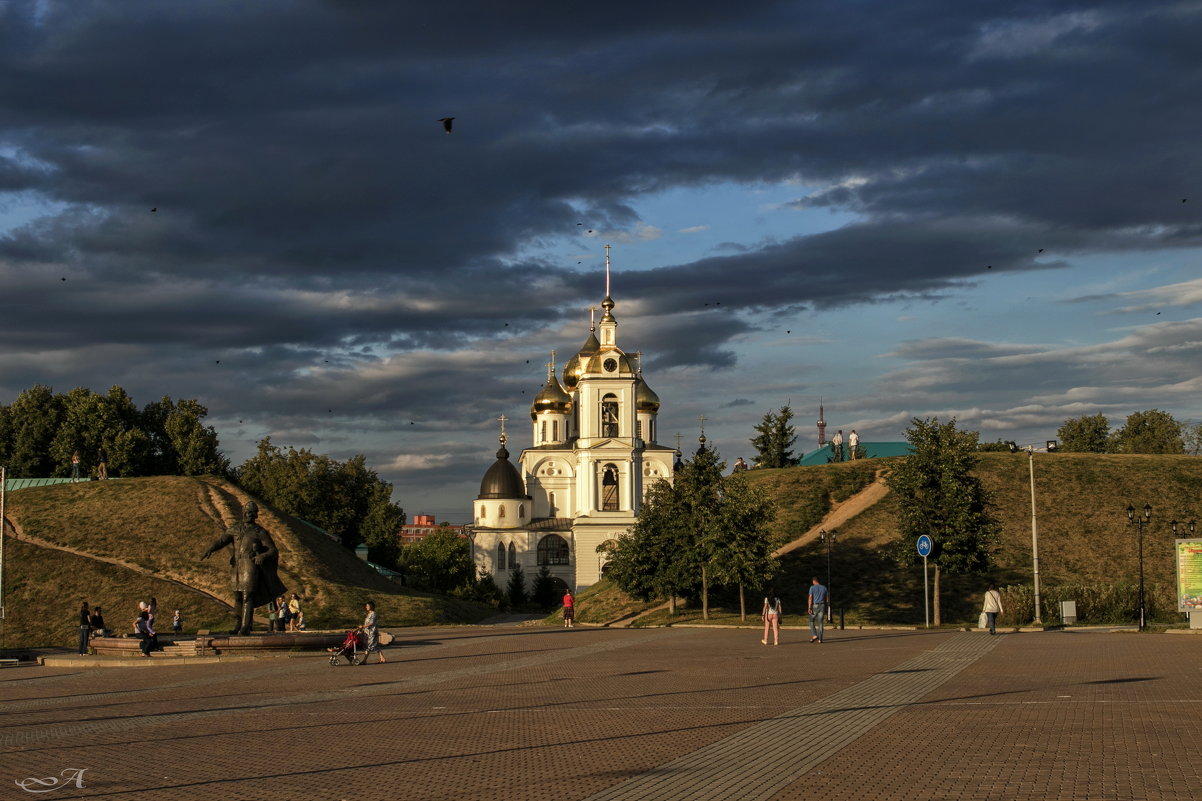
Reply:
x=1034, y=536
x=1139, y=522
x=828, y=537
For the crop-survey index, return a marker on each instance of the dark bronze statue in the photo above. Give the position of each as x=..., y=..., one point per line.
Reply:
x=253, y=562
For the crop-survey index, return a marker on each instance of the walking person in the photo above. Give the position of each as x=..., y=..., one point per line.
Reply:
x=771, y=615
x=837, y=445
x=853, y=442
x=818, y=600
x=371, y=632
x=75, y=461
x=102, y=464
x=294, y=612
x=992, y=607
x=85, y=628
x=569, y=609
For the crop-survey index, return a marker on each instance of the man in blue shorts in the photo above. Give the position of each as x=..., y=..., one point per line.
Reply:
x=817, y=609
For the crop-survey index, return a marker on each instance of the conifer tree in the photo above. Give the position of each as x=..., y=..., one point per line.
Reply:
x=774, y=439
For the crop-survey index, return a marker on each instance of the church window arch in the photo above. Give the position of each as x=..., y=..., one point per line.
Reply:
x=609, y=488
x=522, y=512
x=605, y=546
x=609, y=415
x=501, y=512
x=553, y=550
x=555, y=431
x=513, y=556
x=501, y=556
x=551, y=510
x=483, y=512
x=543, y=432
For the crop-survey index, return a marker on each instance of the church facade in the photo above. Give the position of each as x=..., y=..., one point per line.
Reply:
x=593, y=455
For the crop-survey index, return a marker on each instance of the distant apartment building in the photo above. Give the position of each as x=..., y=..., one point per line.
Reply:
x=421, y=527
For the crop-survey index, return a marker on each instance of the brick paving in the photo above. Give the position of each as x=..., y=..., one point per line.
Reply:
x=534, y=713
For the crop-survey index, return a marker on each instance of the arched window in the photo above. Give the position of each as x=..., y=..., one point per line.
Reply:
x=500, y=556
x=522, y=512
x=609, y=489
x=513, y=556
x=483, y=512
x=501, y=512
x=552, y=550
x=555, y=431
x=542, y=433
x=609, y=415
x=551, y=510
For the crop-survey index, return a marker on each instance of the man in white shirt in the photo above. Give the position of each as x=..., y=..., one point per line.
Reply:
x=853, y=442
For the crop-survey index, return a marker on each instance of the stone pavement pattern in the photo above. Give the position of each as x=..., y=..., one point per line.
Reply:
x=534, y=713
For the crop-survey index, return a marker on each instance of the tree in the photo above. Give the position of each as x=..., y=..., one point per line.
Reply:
x=1152, y=431
x=543, y=592
x=742, y=554
x=441, y=561
x=704, y=529
x=33, y=420
x=1192, y=436
x=937, y=495
x=775, y=438
x=180, y=443
x=516, y=590
x=347, y=498
x=1085, y=434
x=656, y=559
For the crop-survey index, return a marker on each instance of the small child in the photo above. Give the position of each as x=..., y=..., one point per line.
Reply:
x=177, y=623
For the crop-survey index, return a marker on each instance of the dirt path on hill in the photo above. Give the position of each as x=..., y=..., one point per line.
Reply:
x=841, y=513
x=836, y=517
x=38, y=542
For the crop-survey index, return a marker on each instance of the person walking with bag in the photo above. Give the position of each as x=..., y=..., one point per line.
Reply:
x=992, y=607
x=771, y=615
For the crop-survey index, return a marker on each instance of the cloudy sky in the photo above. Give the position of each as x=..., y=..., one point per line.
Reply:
x=991, y=210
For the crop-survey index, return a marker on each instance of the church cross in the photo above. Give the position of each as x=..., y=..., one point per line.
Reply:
x=702, y=420
x=503, y=418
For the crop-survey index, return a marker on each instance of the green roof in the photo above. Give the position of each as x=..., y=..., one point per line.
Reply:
x=21, y=483
x=874, y=450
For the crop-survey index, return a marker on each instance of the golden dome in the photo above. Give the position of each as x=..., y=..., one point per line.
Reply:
x=576, y=364
x=644, y=399
x=551, y=398
x=598, y=363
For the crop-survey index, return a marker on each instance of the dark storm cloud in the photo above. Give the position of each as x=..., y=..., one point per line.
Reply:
x=316, y=232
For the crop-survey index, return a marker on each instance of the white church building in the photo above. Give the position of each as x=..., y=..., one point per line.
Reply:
x=593, y=455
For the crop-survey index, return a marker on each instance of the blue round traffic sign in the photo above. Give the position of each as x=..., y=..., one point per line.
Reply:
x=925, y=545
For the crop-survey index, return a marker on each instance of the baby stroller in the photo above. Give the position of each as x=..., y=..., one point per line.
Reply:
x=354, y=648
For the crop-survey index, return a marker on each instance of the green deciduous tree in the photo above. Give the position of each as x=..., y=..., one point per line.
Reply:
x=938, y=495
x=33, y=420
x=774, y=439
x=441, y=561
x=1192, y=436
x=702, y=530
x=347, y=498
x=1085, y=434
x=1151, y=431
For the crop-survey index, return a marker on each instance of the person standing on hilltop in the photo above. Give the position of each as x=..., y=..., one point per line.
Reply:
x=853, y=442
x=102, y=464
x=253, y=564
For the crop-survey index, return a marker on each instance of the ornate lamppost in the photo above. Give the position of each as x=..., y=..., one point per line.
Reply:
x=1140, y=522
x=828, y=538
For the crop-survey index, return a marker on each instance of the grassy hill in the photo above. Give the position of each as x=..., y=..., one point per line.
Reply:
x=117, y=542
x=1087, y=551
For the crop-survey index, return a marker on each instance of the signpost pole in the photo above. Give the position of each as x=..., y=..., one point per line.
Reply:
x=926, y=595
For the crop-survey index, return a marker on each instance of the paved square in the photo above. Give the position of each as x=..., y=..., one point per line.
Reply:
x=533, y=713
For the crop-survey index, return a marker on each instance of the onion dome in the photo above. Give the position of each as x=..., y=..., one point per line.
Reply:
x=608, y=306
x=644, y=399
x=601, y=363
x=551, y=398
x=575, y=366
x=502, y=481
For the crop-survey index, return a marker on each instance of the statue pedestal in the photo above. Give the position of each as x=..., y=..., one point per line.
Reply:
x=221, y=645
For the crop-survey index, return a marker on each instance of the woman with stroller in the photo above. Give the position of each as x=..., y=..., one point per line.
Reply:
x=371, y=633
